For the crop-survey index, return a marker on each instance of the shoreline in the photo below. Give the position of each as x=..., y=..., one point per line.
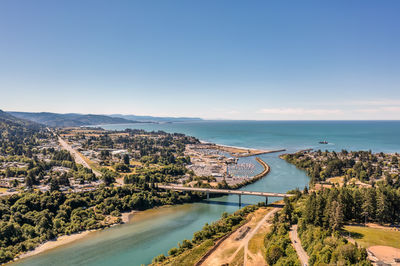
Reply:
x=126, y=216
x=242, y=151
x=228, y=146
x=67, y=239
x=54, y=243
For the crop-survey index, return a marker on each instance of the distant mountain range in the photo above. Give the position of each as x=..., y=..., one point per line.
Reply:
x=76, y=120
x=8, y=118
x=143, y=118
x=69, y=120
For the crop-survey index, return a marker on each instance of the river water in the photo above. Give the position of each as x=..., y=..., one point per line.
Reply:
x=153, y=232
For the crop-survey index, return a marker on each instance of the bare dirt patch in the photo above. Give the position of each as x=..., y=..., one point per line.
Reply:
x=233, y=249
x=385, y=253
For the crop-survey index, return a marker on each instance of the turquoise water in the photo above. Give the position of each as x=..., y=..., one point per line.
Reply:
x=292, y=135
x=155, y=231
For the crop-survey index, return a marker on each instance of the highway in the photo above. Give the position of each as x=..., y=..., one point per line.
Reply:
x=77, y=156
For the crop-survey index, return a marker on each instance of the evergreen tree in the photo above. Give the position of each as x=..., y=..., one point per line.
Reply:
x=369, y=205
x=126, y=159
x=54, y=186
x=382, y=207
x=337, y=217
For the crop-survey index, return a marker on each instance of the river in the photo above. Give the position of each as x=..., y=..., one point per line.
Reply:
x=152, y=232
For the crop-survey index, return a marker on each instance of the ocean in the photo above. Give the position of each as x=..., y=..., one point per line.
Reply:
x=291, y=135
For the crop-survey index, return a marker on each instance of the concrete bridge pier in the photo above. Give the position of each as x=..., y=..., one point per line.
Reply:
x=240, y=200
x=266, y=200
x=208, y=195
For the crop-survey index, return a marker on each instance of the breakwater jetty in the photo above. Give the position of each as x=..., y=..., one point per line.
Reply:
x=255, y=178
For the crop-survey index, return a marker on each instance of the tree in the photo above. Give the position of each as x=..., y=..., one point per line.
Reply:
x=336, y=218
x=126, y=159
x=29, y=181
x=287, y=210
x=9, y=173
x=369, y=205
x=122, y=168
x=173, y=251
x=108, y=178
x=63, y=180
x=54, y=186
x=382, y=207
x=274, y=252
x=395, y=160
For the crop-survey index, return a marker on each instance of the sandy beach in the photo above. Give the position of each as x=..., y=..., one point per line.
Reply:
x=243, y=152
x=62, y=240
x=126, y=216
x=66, y=239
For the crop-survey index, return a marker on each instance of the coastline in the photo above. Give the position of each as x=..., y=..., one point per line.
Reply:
x=242, y=151
x=228, y=146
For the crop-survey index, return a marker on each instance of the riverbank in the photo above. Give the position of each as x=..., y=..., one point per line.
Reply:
x=67, y=239
x=54, y=243
x=192, y=252
x=126, y=216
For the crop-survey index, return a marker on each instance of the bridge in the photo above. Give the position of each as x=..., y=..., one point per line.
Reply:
x=209, y=191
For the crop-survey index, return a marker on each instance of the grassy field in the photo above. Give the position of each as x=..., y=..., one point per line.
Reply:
x=366, y=236
x=3, y=189
x=336, y=180
x=190, y=257
x=238, y=260
x=256, y=244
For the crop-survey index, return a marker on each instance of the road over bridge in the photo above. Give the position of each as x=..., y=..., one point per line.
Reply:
x=209, y=191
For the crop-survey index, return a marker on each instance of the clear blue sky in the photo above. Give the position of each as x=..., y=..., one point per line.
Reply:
x=212, y=59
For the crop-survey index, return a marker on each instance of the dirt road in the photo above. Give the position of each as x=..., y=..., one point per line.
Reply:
x=231, y=249
x=254, y=231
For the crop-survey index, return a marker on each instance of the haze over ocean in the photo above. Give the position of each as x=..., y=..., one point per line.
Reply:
x=378, y=136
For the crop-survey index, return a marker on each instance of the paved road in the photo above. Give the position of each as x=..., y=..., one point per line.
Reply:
x=77, y=156
x=301, y=253
x=226, y=191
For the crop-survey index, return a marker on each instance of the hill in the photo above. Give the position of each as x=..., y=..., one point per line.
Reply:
x=6, y=118
x=16, y=131
x=70, y=120
x=158, y=119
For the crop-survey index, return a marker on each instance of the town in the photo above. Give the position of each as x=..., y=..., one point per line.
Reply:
x=76, y=159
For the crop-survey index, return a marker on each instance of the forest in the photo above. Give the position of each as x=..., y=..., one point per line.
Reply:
x=324, y=242
x=30, y=218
